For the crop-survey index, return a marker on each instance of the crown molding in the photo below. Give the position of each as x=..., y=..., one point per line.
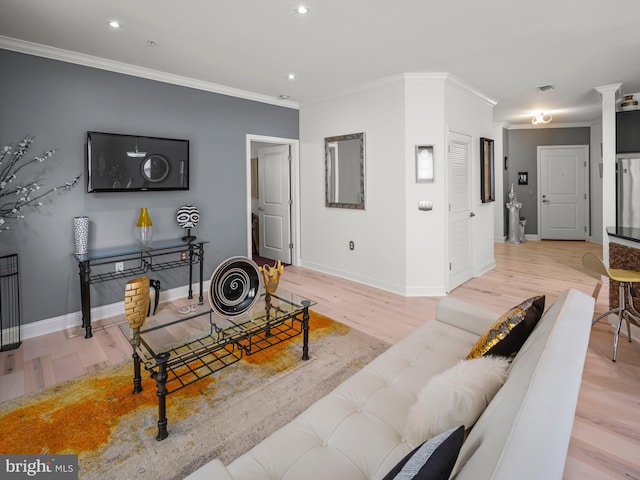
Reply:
x=436, y=77
x=358, y=88
x=453, y=81
x=468, y=88
x=612, y=88
x=53, y=53
x=529, y=126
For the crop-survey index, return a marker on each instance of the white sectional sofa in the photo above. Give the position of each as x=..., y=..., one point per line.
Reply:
x=356, y=431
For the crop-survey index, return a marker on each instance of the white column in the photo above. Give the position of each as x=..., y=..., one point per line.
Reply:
x=608, y=93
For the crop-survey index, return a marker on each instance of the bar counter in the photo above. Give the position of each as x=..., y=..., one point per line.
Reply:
x=624, y=253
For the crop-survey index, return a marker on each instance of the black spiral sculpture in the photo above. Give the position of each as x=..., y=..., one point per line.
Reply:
x=234, y=287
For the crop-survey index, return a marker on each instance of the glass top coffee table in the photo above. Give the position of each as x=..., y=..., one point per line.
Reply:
x=179, y=347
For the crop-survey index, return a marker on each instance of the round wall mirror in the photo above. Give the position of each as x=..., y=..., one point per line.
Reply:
x=155, y=167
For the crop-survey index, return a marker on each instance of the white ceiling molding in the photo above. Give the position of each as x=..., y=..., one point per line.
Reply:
x=439, y=77
x=452, y=80
x=53, y=53
x=357, y=88
x=466, y=87
x=524, y=126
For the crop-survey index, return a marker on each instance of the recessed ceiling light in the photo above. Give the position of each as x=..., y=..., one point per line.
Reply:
x=302, y=10
x=151, y=43
x=284, y=97
x=291, y=76
x=115, y=24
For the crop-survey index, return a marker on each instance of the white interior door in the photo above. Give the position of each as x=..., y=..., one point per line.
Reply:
x=274, y=210
x=562, y=187
x=459, y=210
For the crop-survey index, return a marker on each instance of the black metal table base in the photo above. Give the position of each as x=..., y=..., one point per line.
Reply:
x=201, y=361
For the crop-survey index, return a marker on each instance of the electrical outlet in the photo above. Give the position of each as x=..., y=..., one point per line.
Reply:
x=184, y=255
x=119, y=266
x=352, y=246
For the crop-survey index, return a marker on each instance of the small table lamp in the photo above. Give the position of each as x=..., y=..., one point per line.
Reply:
x=188, y=217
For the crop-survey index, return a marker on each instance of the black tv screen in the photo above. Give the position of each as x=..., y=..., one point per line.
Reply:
x=124, y=163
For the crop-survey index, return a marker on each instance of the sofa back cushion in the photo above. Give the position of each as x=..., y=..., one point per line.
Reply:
x=524, y=432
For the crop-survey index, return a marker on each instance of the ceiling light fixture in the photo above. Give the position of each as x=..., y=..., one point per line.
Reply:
x=115, y=24
x=284, y=97
x=136, y=153
x=302, y=10
x=291, y=76
x=541, y=117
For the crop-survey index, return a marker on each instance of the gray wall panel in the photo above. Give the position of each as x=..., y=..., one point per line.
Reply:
x=58, y=103
x=523, y=153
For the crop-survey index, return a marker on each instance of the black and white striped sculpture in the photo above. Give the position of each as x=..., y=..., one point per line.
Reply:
x=188, y=217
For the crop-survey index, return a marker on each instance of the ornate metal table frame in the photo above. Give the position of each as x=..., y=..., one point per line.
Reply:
x=184, y=363
x=163, y=255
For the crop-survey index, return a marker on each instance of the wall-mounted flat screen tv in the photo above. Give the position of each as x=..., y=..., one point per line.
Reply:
x=125, y=163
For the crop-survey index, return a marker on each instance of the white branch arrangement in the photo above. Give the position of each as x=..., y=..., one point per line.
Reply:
x=15, y=197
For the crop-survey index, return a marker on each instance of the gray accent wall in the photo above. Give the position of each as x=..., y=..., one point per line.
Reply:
x=58, y=103
x=523, y=157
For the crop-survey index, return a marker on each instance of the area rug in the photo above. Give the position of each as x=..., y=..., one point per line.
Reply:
x=113, y=431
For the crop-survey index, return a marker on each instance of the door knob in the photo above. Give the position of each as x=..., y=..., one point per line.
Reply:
x=261, y=209
x=546, y=201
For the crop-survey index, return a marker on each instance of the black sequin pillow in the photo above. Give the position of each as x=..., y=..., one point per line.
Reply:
x=507, y=335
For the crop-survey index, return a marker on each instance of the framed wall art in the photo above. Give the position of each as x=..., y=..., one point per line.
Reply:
x=487, y=171
x=424, y=163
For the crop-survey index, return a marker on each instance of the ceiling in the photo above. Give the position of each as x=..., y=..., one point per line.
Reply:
x=503, y=48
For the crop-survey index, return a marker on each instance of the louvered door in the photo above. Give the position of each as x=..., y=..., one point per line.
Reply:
x=459, y=210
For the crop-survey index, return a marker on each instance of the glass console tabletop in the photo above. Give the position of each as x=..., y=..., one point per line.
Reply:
x=179, y=347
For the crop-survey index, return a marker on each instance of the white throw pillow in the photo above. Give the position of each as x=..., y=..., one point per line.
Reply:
x=455, y=397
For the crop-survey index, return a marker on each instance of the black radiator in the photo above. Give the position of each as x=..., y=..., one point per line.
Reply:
x=10, y=323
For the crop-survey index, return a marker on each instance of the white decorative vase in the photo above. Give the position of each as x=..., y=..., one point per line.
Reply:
x=81, y=234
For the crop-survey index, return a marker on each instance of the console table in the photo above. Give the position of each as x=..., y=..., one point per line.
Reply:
x=163, y=255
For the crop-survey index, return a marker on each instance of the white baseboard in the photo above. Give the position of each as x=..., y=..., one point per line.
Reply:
x=74, y=319
x=393, y=288
x=389, y=287
x=490, y=265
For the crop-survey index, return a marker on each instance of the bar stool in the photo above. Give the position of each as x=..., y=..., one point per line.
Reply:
x=625, y=308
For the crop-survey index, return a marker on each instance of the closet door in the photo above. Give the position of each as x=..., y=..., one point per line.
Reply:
x=459, y=153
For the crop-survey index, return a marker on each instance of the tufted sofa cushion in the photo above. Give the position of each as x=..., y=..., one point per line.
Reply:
x=355, y=432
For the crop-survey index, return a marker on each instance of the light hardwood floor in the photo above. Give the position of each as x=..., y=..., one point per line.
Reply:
x=605, y=442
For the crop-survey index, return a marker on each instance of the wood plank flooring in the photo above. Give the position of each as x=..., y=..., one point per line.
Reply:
x=605, y=443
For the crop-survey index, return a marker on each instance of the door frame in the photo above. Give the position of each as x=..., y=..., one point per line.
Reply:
x=294, y=181
x=587, y=187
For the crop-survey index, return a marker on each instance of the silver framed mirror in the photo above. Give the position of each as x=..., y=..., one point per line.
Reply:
x=344, y=171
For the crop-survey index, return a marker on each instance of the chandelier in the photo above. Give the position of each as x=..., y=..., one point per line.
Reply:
x=541, y=117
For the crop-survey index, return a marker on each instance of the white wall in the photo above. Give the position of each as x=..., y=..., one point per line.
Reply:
x=472, y=114
x=378, y=231
x=595, y=182
x=397, y=247
x=498, y=206
x=424, y=239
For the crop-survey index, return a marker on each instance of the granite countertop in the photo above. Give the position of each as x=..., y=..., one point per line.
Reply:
x=627, y=233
